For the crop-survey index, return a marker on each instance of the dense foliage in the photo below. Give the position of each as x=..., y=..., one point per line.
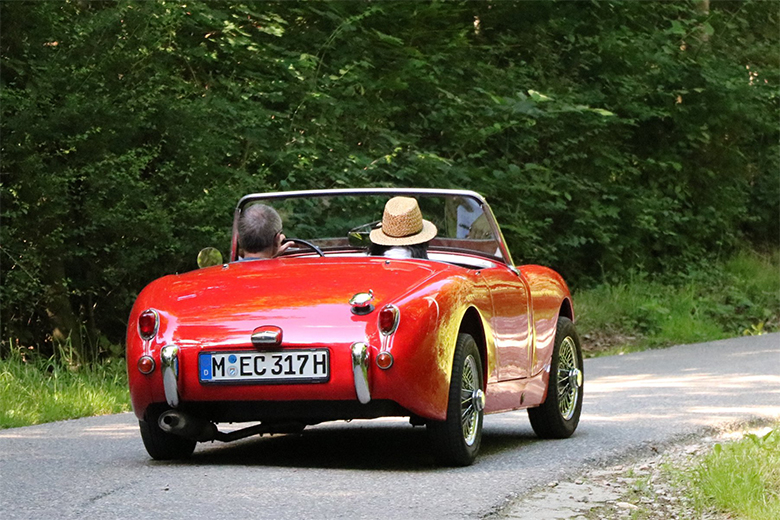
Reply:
x=608, y=136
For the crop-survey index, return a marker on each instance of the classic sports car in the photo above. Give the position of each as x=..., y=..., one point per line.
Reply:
x=329, y=330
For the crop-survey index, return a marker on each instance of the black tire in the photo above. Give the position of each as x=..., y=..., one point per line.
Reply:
x=456, y=440
x=559, y=414
x=161, y=445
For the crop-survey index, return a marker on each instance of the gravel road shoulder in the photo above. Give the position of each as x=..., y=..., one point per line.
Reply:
x=639, y=487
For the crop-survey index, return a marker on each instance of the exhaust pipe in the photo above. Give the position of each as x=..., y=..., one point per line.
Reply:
x=178, y=423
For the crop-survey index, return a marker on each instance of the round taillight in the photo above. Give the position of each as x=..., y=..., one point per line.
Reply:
x=145, y=364
x=384, y=360
x=388, y=319
x=148, y=322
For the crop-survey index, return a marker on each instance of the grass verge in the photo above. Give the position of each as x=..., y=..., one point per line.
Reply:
x=723, y=476
x=740, y=296
x=741, y=479
x=34, y=391
x=734, y=477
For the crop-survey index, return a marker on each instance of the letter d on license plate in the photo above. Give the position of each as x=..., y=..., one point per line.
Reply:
x=291, y=366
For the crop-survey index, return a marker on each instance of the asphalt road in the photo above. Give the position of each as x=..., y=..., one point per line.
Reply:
x=97, y=467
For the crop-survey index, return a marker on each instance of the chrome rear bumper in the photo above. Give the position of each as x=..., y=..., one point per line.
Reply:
x=169, y=357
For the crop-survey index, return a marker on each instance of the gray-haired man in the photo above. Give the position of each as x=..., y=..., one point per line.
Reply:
x=260, y=232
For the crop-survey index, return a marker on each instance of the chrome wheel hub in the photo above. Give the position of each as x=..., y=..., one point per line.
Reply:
x=478, y=399
x=575, y=377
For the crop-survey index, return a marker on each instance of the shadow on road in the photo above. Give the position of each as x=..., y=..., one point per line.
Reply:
x=368, y=447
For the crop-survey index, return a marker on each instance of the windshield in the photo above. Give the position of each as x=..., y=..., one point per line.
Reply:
x=341, y=221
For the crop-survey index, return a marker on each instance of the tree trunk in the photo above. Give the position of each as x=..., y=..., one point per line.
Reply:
x=65, y=325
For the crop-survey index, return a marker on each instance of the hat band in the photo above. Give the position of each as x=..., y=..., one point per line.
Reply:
x=401, y=232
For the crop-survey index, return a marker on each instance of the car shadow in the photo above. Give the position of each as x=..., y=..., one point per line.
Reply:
x=397, y=447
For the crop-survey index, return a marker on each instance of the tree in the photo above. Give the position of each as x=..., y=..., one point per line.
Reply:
x=607, y=136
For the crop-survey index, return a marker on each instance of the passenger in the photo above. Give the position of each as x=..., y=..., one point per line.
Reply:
x=403, y=232
x=260, y=233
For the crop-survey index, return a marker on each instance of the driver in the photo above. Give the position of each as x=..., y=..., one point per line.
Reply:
x=403, y=232
x=260, y=233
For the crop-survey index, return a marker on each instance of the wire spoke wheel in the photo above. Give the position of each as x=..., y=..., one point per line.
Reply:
x=468, y=416
x=557, y=417
x=455, y=441
x=569, y=378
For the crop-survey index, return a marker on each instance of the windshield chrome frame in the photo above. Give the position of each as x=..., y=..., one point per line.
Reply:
x=429, y=192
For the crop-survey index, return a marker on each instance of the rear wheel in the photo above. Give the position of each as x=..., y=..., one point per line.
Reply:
x=558, y=416
x=161, y=445
x=456, y=440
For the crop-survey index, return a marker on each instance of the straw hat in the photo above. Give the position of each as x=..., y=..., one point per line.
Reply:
x=402, y=224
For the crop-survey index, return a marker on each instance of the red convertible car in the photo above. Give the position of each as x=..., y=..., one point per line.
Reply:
x=330, y=330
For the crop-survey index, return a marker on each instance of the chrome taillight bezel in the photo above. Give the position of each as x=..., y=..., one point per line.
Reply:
x=396, y=317
x=156, y=315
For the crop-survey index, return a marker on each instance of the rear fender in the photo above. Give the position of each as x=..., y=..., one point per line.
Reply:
x=475, y=325
x=424, y=344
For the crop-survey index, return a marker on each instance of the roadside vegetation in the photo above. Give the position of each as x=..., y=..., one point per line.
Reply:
x=733, y=475
x=740, y=296
x=741, y=479
x=36, y=390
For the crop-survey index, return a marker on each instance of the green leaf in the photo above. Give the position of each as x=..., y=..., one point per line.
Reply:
x=538, y=97
x=602, y=112
x=393, y=40
x=677, y=28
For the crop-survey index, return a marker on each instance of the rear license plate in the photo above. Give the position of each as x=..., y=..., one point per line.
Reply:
x=293, y=366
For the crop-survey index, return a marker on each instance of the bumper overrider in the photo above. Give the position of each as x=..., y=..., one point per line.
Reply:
x=360, y=371
x=169, y=358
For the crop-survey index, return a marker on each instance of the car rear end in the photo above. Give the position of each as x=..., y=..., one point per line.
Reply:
x=286, y=340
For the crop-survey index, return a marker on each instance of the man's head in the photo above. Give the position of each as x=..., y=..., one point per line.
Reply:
x=259, y=230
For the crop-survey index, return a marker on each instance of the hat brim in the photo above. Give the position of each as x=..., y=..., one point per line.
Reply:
x=428, y=231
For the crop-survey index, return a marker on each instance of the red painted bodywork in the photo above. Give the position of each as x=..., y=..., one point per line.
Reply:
x=218, y=308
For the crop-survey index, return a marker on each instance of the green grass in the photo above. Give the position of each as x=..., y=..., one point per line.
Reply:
x=34, y=391
x=727, y=299
x=741, y=479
